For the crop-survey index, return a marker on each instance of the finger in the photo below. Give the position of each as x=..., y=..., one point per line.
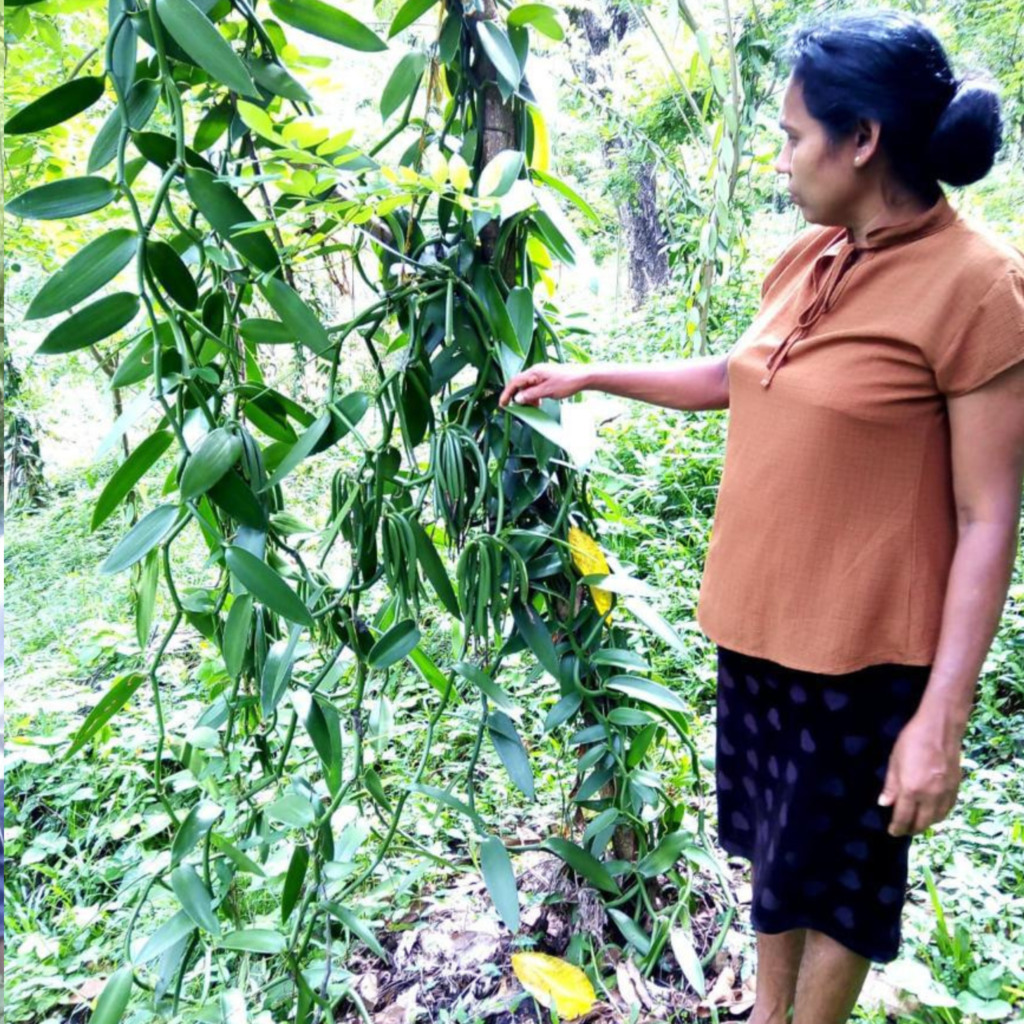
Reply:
x=927, y=814
x=888, y=795
x=903, y=814
x=531, y=396
x=518, y=381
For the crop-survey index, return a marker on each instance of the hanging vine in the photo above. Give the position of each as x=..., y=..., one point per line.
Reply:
x=444, y=504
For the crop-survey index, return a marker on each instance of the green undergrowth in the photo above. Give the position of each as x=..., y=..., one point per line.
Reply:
x=82, y=835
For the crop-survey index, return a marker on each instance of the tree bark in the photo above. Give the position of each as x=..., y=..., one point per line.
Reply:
x=497, y=132
x=647, y=260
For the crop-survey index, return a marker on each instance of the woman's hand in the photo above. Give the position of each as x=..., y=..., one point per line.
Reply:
x=923, y=777
x=545, y=380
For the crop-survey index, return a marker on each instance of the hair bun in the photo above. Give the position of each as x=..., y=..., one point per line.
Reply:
x=964, y=144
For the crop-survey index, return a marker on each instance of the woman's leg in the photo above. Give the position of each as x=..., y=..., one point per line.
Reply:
x=778, y=964
x=830, y=980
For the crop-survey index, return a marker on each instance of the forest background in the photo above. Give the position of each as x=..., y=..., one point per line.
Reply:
x=661, y=131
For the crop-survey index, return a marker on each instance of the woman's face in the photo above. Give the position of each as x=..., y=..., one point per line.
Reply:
x=824, y=180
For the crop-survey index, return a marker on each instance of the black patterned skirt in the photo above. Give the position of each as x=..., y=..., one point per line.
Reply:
x=800, y=763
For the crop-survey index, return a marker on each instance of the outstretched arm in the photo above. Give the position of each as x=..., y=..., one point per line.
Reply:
x=692, y=384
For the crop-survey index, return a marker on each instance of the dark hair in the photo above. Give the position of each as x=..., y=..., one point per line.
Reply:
x=889, y=67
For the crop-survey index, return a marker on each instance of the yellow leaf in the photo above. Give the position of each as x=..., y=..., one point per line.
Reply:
x=553, y=982
x=588, y=557
x=541, y=160
x=437, y=166
x=458, y=171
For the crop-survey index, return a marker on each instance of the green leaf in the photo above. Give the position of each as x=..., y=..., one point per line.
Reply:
x=214, y=123
x=276, y=79
x=404, y=81
x=520, y=311
x=293, y=810
x=409, y=12
x=145, y=603
x=553, y=238
x=225, y=211
x=327, y=22
x=538, y=639
x=236, y=634
x=137, y=365
x=277, y=671
x=501, y=880
x=451, y=37
x=113, y=1000
x=142, y=101
x=608, y=818
x=261, y=331
x=501, y=172
x=239, y=859
x=61, y=200
x=582, y=863
x=620, y=657
x=357, y=928
x=576, y=447
x=296, y=315
x=266, y=585
x=655, y=622
x=394, y=645
x=128, y=474
x=145, y=535
x=433, y=568
x=87, y=271
x=293, y=881
x=195, y=899
x=442, y=796
x=302, y=448
x=124, y=51
x=216, y=454
x=485, y=684
x=57, y=106
x=169, y=934
x=562, y=711
x=665, y=855
x=255, y=940
x=325, y=733
x=194, y=828
x=122, y=691
x=233, y=495
x=563, y=189
x=542, y=17
x=161, y=150
x=619, y=583
x=196, y=35
x=170, y=271
x=497, y=46
x=648, y=692
x=510, y=749
x=90, y=324
x=631, y=931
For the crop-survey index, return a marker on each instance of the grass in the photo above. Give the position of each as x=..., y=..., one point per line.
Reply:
x=82, y=841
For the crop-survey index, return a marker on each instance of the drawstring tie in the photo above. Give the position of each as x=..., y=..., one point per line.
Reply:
x=823, y=301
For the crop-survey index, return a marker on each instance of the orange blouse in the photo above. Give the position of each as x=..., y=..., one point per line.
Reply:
x=835, y=526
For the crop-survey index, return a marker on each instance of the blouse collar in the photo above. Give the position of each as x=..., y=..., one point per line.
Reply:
x=936, y=218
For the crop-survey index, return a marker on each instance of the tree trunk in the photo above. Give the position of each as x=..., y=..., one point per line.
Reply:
x=641, y=227
x=497, y=132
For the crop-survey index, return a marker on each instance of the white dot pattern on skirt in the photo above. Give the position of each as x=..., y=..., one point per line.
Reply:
x=800, y=762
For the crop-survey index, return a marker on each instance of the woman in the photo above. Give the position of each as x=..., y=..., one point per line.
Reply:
x=866, y=523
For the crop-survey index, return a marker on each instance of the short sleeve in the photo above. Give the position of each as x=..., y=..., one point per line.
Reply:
x=991, y=341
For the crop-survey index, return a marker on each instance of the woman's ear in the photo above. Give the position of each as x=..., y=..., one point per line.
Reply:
x=866, y=138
